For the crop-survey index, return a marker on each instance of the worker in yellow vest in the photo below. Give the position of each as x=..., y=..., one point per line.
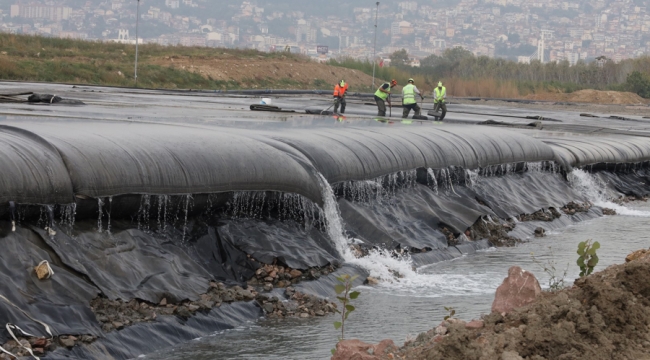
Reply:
x=439, y=96
x=382, y=96
x=408, y=99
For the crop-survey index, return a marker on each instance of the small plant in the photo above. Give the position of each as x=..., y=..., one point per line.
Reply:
x=555, y=282
x=344, y=297
x=588, y=259
x=451, y=311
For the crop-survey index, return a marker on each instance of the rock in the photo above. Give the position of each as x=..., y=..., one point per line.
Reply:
x=193, y=307
x=304, y=315
x=637, y=255
x=607, y=211
x=372, y=281
x=183, y=312
x=268, y=287
x=314, y=274
x=511, y=355
x=518, y=289
x=88, y=339
x=384, y=346
x=38, y=342
x=268, y=308
x=540, y=232
x=38, y=351
x=247, y=295
x=206, y=304
x=25, y=344
x=268, y=279
x=163, y=302
x=441, y=330
x=354, y=349
x=295, y=273
x=66, y=342
x=474, y=324
x=43, y=270
x=117, y=325
x=320, y=313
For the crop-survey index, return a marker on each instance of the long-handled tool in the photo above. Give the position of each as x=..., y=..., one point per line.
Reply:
x=328, y=107
x=390, y=106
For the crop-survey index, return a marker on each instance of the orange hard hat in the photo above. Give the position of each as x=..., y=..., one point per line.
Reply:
x=393, y=82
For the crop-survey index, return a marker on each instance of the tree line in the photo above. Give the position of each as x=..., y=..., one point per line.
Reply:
x=457, y=63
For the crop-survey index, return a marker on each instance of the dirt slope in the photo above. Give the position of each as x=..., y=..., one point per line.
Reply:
x=260, y=73
x=604, y=316
x=592, y=96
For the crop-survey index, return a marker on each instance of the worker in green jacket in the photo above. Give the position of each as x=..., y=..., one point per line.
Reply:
x=408, y=99
x=382, y=96
x=439, y=96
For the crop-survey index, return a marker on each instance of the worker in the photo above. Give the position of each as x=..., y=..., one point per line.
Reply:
x=439, y=96
x=382, y=95
x=339, y=96
x=408, y=99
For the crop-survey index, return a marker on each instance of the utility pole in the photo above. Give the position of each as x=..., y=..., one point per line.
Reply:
x=137, y=40
x=374, y=49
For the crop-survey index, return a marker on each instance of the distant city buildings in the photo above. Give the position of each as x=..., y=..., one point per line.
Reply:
x=521, y=30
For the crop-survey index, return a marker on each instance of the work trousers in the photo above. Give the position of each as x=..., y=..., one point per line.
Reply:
x=407, y=109
x=381, y=106
x=442, y=107
x=339, y=101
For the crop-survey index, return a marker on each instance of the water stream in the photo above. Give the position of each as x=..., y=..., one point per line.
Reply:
x=400, y=308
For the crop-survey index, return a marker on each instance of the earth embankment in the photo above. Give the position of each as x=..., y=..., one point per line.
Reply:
x=262, y=73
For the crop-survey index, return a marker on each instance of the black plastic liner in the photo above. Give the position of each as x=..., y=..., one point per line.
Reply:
x=166, y=331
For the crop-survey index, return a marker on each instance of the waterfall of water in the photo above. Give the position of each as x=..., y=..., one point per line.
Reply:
x=594, y=190
x=381, y=264
x=100, y=204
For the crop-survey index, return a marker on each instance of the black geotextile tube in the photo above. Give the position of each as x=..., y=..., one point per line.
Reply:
x=31, y=169
x=107, y=159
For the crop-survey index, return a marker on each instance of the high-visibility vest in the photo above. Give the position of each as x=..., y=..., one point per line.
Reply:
x=439, y=95
x=382, y=95
x=408, y=94
x=340, y=91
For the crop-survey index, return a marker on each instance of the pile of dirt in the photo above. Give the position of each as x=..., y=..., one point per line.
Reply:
x=261, y=73
x=603, y=316
x=592, y=96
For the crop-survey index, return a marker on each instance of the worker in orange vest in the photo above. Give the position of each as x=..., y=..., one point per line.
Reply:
x=339, y=96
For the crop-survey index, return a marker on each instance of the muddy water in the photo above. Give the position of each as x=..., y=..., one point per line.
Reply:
x=402, y=310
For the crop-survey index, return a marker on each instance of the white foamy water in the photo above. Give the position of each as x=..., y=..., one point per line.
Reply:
x=594, y=190
x=397, y=274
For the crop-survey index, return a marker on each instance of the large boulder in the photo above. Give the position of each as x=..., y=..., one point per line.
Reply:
x=518, y=289
x=359, y=350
